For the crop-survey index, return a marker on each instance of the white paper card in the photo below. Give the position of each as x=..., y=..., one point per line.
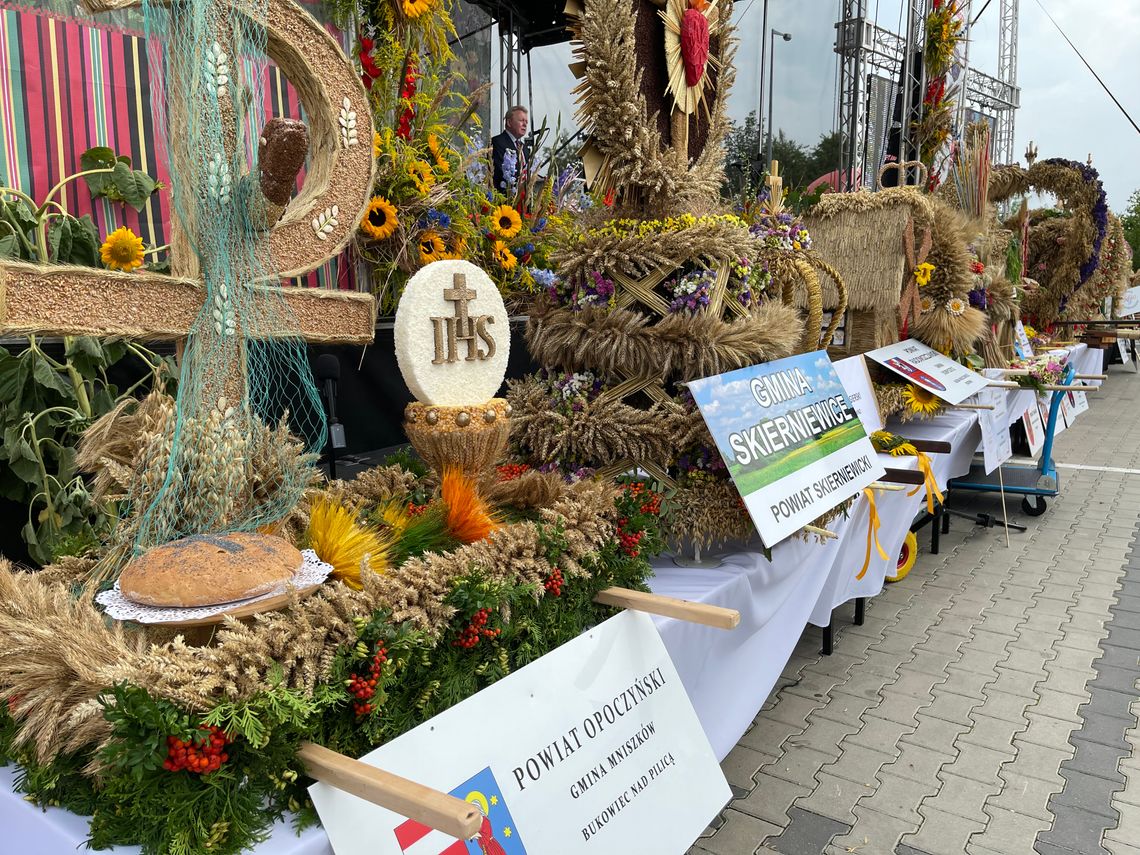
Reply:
x=1130, y=303
x=1021, y=345
x=1034, y=429
x=924, y=366
x=856, y=382
x=593, y=748
x=996, y=447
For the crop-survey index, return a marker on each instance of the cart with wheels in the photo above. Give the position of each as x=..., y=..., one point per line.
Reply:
x=1034, y=480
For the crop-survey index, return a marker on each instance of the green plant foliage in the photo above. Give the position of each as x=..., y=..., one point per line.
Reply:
x=139, y=801
x=45, y=405
x=119, y=183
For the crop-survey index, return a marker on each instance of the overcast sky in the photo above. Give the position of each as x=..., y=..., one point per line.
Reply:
x=1063, y=109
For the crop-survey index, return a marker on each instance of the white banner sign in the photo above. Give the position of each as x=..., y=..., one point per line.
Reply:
x=1034, y=429
x=794, y=446
x=594, y=748
x=926, y=367
x=1021, y=345
x=857, y=384
x=1123, y=350
x=996, y=447
x=1130, y=303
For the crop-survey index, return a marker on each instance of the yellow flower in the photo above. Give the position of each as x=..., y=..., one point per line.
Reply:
x=421, y=175
x=377, y=143
x=457, y=247
x=432, y=247
x=123, y=250
x=506, y=222
x=921, y=401
x=922, y=273
x=503, y=255
x=415, y=8
x=1030, y=332
x=442, y=165
x=380, y=221
x=956, y=305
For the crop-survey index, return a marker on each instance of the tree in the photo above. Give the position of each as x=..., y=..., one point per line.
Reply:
x=1130, y=219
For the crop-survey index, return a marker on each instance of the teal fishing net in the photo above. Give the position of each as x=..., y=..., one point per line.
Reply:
x=233, y=455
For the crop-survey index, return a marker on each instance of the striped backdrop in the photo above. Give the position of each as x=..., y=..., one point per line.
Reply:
x=69, y=81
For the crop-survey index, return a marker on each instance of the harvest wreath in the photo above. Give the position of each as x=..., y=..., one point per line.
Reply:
x=189, y=744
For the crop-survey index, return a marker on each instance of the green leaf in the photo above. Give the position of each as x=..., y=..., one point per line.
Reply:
x=86, y=354
x=9, y=246
x=99, y=157
x=134, y=186
x=84, y=242
x=59, y=239
x=49, y=378
x=13, y=379
x=23, y=462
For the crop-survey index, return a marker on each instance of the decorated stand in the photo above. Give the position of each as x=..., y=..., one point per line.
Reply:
x=117, y=702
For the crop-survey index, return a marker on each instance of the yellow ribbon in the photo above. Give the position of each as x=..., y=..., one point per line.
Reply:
x=872, y=532
x=933, y=494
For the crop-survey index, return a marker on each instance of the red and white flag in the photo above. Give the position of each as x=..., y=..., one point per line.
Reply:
x=418, y=839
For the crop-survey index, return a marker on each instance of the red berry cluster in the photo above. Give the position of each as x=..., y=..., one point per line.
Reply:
x=511, y=471
x=367, y=63
x=630, y=543
x=364, y=688
x=198, y=757
x=652, y=506
x=476, y=630
x=415, y=510
x=407, y=93
x=554, y=582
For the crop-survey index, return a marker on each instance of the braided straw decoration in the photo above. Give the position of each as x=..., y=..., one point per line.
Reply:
x=804, y=267
x=900, y=168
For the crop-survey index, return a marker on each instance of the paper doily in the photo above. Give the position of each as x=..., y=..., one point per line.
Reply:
x=312, y=572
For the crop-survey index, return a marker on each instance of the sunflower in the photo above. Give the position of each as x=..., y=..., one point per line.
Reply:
x=432, y=247
x=421, y=174
x=415, y=8
x=921, y=401
x=503, y=255
x=886, y=442
x=123, y=250
x=956, y=305
x=456, y=248
x=506, y=222
x=380, y=221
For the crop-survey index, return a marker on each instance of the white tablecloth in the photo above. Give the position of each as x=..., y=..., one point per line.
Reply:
x=728, y=674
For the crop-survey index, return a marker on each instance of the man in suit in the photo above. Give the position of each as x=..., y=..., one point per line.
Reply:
x=511, y=139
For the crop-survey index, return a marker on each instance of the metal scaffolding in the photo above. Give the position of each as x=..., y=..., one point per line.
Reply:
x=882, y=82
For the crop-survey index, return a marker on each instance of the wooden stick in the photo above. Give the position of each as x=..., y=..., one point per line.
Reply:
x=1090, y=376
x=1129, y=334
x=879, y=485
x=904, y=476
x=656, y=604
x=822, y=532
x=415, y=801
x=973, y=406
x=931, y=446
x=1056, y=387
x=1004, y=384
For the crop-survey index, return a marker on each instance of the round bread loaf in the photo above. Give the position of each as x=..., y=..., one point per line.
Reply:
x=207, y=570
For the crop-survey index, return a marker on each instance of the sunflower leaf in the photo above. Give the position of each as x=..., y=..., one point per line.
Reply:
x=134, y=186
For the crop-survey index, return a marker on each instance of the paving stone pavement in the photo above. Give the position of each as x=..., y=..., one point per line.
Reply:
x=988, y=704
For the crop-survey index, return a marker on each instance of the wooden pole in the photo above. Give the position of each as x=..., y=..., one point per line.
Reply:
x=1090, y=376
x=415, y=801
x=973, y=406
x=822, y=532
x=656, y=604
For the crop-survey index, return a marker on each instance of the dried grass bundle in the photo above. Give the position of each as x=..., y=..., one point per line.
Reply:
x=621, y=343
